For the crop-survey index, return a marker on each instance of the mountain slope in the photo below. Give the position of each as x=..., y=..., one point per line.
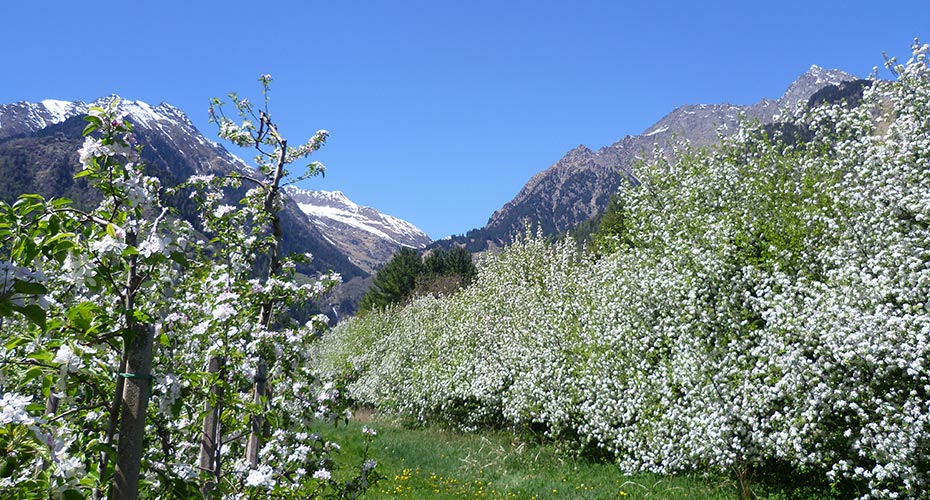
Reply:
x=368, y=237
x=579, y=185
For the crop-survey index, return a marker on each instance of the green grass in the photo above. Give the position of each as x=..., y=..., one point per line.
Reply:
x=437, y=464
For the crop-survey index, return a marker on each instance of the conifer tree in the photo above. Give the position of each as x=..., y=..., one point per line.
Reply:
x=395, y=282
x=611, y=232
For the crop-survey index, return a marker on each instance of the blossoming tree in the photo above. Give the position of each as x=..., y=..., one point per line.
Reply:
x=163, y=350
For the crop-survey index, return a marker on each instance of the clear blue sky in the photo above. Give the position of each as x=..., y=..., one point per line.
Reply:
x=440, y=111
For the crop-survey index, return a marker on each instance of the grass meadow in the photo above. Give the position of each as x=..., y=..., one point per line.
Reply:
x=431, y=463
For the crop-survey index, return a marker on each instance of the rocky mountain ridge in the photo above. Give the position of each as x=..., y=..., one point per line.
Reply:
x=368, y=237
x=170, y=124
x=579, y=185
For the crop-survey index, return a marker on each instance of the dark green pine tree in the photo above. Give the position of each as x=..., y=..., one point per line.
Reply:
x=453, y=262
x=446, y=272
x=395, y=282
x=611, y=234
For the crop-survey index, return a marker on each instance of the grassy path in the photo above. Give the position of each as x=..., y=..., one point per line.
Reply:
x=433, y=464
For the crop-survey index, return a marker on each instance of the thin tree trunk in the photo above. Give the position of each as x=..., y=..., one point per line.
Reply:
x=260, y=382
x=211, y=439
x=136, y=391
x=111, y=430
x=257, y=421
x=54, y=395
x=137, y=388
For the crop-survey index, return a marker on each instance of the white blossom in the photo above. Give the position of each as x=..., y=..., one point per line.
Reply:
x=68, y=358
x=13, y=409
x=261, y=477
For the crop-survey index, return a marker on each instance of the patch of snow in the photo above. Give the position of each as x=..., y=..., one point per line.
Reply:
x=60, y=110
x=340, y=215
x=142, y=112
x=656, y=131
x=335, y=207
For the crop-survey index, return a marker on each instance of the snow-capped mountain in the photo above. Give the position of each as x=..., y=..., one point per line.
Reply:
x=25, y=117
x=38, y=153
x=366, y=235
x=167, y=122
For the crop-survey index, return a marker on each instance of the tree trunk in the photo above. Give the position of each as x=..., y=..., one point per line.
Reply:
x=211, y=440
x=136, y=391
x=104, y=460
x=137, y=388
x=257, y=420
x=271, y=202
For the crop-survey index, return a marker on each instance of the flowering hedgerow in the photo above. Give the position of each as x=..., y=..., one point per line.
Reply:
x=768, y=305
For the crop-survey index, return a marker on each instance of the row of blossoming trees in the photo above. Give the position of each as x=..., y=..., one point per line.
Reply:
x=767, y=308
x=144, y=356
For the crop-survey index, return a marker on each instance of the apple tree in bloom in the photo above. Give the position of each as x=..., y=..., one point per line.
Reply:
x=145, y=357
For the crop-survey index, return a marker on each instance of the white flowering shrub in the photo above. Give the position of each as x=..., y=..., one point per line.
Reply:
x=141, y=358
x=767, y=310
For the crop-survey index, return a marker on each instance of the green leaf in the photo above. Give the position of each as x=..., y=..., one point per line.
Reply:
x=31, y=373
x=29, y=287
x=31, y=196
x=61, y=202
x=179, y=257
x=62, y=247
x=15, y=342
x=82, y=314
x=58, y=236
x=7, y=468
x=142, y=317
x=72, y=495
x=89, y=129
x=99, y=447
x=35, y=314
x=94, y=122
x=42, y=356
x=26, y=250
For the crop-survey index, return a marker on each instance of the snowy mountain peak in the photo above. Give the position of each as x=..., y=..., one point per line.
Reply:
x=60, y=111
x=367, y=235
x=24, y=117
x=811, y=81
x=49, y=133
x=335, y=199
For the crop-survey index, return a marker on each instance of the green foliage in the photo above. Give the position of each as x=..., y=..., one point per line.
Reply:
x=395, y=282
x=612, y=233
x=457, y=261
x=408, y=275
